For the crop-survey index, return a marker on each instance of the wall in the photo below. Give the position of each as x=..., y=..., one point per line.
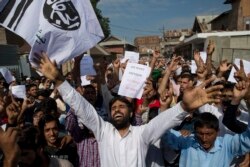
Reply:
x=230, y=48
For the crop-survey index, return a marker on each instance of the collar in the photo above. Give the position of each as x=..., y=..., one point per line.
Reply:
x=130, y=129
x=217, y=146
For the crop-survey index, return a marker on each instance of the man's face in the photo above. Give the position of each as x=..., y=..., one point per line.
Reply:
x=37, y=116
x=90, y=95
x=227, y=94
x=185, y=84
x=33, y=91
x=120, y=115
x=51, y=133
x=206, y=137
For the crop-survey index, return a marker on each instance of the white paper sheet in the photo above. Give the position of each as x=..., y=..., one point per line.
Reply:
x=132, y=57
x=19, y=91
x=7, y=75
x=133, y=80
x=85, y=81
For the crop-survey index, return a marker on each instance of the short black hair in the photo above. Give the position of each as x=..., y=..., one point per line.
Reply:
x=45, y=119
x=207, y=120
x=29, y=138
x=124, y=100
x=28, y=87
x=187, y=75
x=44, y=93
x=48, y=106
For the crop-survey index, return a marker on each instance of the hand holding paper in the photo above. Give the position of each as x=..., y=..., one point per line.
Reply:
x=19, y=91
x=7, y=75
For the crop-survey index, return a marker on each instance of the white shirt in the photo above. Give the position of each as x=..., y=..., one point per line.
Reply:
x=114, y=150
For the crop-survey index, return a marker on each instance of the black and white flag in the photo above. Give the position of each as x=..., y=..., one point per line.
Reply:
x=62, y=28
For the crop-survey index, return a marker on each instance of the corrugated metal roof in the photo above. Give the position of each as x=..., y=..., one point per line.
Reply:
x=112, y=40
x=204, y=21
x=98, y=50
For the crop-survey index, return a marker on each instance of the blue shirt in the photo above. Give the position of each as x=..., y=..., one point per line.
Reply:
x=224, y=150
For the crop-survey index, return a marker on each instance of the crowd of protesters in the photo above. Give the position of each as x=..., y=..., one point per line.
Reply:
x=183, y=119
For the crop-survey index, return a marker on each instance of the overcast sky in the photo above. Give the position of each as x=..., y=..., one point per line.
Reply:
x=131, y=18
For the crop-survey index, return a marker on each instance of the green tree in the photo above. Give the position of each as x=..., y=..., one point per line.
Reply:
x=104, y=21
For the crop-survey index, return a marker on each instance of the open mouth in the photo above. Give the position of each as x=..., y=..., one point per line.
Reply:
x=118, y=116
x=52, y=139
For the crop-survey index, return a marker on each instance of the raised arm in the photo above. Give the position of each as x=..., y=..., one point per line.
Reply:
x=229, y=119
x=156, y=55
x=171, y=68
x=192, y=99
x=210, y=51
x=85, y=112
x=9, y=147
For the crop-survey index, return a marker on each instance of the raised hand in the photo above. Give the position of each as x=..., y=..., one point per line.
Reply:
x=240, y=74
x=174, y=64
x=48, y=68
x=200, y=95
x=210, y=47
x=239, y=91
x=116, y=63
x=166, y=98
x=197, y=55
x=65, y=141
x=201, y=70
x=13, y=111
x=224, y=66
x=9, y=146
x=156, y=54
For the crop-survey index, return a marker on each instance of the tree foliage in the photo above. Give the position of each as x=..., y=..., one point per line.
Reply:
x=104, y=21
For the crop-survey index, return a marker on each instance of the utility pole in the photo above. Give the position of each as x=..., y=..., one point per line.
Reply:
x=162, y=42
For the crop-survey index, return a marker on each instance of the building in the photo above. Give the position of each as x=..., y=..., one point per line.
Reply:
x=229, y=45
x=9, y=54
x=225, y=29
x=172, y=38
x=145, y=44
x=240, y=14
x=116, y=46
x=238, y=18
x=203, y=23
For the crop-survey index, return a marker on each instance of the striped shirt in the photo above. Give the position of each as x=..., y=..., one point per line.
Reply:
x=87, y=146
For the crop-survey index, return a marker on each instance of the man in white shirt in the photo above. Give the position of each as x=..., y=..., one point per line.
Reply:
x=121, y=144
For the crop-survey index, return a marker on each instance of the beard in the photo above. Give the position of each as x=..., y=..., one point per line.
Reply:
x=120, y=123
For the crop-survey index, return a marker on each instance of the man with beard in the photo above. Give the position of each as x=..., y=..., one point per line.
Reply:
x=87, y=146
x=120, y=143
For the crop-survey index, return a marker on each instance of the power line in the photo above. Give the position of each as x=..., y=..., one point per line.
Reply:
x=133, y=29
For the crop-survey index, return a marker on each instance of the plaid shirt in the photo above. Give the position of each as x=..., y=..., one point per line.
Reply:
x=87, y=146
